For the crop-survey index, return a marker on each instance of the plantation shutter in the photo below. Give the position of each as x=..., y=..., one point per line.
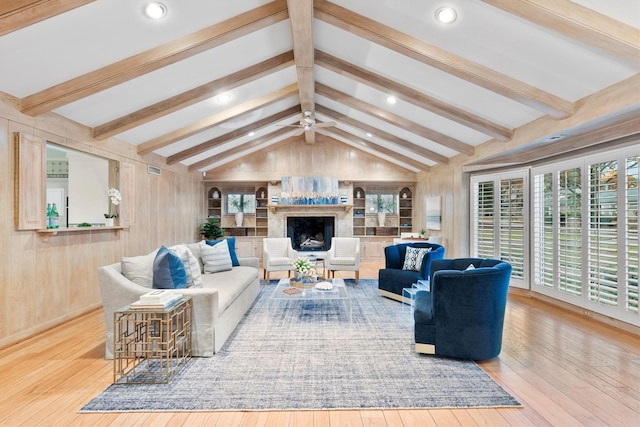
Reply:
x=570, y=231
x=543, y=252
x=632, y=240
x=498, y=217
x=603, y=233
x=483, y=220
x=512, y=229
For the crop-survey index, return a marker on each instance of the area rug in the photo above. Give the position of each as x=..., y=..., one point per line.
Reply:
x=303, y=356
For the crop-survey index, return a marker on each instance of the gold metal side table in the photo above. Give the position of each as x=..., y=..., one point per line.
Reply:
x=151, y=345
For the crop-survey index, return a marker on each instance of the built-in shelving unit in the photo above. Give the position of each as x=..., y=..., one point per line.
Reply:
x=214, y=203
x=405, y=210
x=359, y=212
x=262, y=212
x=366, y=223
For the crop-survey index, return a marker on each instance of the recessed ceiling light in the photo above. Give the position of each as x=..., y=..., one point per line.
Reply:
x=446, y=15
x=369, y=134
x=391, y=99
x=251, y=133
x=155, y=10
x=223, y=98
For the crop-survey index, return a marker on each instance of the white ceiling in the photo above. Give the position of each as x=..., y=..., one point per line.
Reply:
x=488, y=43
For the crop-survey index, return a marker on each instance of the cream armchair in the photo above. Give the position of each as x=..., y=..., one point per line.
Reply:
x=344, y=255
x=277, y=255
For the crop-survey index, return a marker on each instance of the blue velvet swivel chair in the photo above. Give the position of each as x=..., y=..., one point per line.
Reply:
x=462, y=315
x=393, y=277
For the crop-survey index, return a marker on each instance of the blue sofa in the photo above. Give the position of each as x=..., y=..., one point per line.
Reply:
x=393, y=278
x=462, y=315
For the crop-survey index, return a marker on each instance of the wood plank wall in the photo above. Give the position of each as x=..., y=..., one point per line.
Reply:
x=43, y=283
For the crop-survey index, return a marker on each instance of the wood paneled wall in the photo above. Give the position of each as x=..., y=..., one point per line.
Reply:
x=324, y=158
x=43, y=283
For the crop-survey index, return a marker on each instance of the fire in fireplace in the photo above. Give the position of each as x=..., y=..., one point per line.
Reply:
x=310, y=233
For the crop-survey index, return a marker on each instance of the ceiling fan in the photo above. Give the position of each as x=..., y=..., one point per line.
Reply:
x=308, y=123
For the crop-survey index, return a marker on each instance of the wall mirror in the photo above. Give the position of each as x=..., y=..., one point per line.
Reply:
x=77, y=182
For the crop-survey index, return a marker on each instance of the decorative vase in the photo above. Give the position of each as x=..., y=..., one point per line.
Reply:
x=381, y=218
x=109, y=222
x=239, y=219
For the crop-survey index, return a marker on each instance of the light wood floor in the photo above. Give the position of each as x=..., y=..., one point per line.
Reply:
x=566, y=370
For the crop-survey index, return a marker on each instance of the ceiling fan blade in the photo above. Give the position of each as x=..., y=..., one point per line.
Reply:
x=325, y=124
x=299, y=132
x=289, y=126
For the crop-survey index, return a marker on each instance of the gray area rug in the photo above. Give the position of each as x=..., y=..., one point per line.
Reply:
x=304, y=356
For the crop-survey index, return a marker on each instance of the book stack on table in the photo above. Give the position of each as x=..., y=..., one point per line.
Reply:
x=158, y=299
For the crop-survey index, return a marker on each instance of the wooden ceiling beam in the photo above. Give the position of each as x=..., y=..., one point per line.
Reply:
x=443, y=60
x=217, y=119
x=616, y=39
x=385, y=152
x=17, y=14
x=154, y=59
x=240, y=148
x=193, y=96
x=238, y=133
x=394, y=119
x=416, y=149
x=413, y=96
x=301, y=18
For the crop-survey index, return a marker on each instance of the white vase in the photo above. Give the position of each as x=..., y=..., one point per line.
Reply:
x=109, y=222
x=239, y=218
x=381, y=218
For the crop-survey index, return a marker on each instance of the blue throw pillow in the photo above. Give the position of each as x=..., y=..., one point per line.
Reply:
x=231, y=241
x=168, y=270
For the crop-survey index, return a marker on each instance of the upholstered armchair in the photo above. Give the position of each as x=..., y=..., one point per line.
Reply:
x=462, y=314
x=344, y=255
x=399, y=274
x=277, y=255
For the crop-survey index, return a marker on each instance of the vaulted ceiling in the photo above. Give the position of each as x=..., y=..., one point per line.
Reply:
x=156, y=84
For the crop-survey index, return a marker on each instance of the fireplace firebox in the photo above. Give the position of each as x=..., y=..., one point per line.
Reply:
x=310, y=233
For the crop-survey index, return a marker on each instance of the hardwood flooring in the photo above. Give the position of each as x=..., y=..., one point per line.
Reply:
x=567, y=370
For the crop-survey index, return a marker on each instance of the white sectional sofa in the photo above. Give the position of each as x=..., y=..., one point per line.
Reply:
x=218, y=305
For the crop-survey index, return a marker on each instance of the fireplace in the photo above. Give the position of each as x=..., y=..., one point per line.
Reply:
x=310, y=233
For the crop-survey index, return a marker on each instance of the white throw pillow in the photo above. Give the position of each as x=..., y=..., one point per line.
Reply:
x=216, y=258
x=471, y=267
x=413, y=258
x=139, y=269
x=191, y=265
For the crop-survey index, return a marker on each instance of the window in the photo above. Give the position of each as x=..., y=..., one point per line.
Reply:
x=585, y=232
x=381, y=203
x=241, y=202
x=499, y=213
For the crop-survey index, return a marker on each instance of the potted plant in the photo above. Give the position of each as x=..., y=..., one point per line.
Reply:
x=239, y=203
x=115, y=199
x=211, y=229
x=423, y=234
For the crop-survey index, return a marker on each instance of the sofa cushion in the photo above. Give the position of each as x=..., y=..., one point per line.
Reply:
x=231, y=242
x=195, y=250
x=230, y=284
x=191, y=265
x=413, y=258
x=139, y=269
x=216, y=258
x=168, y=270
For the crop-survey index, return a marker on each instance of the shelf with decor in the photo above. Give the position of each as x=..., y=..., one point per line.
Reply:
x=262, y=212
x=214, y=203
x=359, y=212
x=405, y=210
